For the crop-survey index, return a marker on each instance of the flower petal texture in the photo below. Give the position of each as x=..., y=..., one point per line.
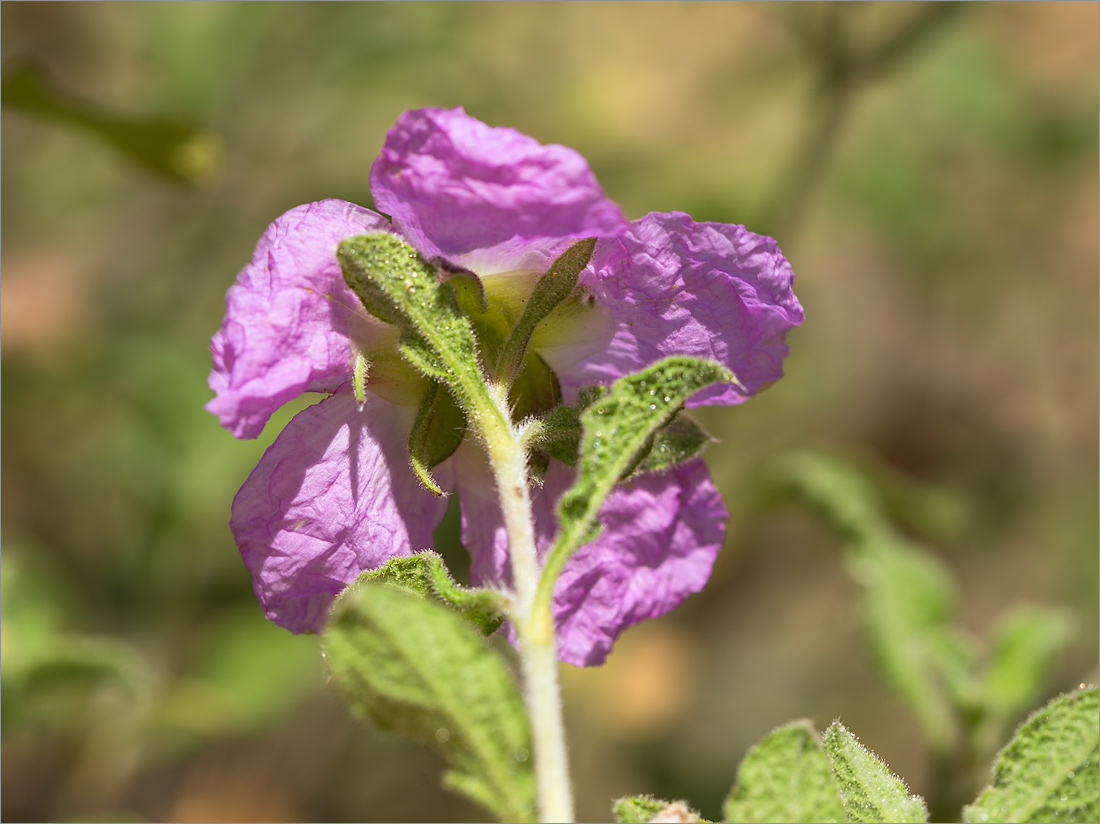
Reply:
x=332, y=497
x=335, y=494
x=286, y=321
x=661, y=534
x=677, y=287
x=455, y=186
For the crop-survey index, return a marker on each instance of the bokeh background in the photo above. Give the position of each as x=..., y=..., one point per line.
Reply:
x=930, y=171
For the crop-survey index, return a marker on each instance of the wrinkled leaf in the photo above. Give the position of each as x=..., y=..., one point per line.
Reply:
x=1050, y=770
x=785, y=777
x=415, y=667
x=868, y=790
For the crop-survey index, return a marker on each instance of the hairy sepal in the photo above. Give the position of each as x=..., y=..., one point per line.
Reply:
x=677, y=442
x=397, y=286
x=555, y=285
x=437, y=431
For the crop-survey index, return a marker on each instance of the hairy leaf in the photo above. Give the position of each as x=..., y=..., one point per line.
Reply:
x=618, y=429
x=426, y=574
x=415, y=667
x=785, y=777
x=1050, y=770
x=868, y=790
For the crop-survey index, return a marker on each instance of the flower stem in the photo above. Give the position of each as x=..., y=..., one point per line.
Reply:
x=533, y=620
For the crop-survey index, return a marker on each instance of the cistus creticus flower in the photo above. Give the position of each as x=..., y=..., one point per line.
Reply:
x=335, y=495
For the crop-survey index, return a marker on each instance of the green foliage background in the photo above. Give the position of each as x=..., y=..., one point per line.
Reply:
x=931, y=174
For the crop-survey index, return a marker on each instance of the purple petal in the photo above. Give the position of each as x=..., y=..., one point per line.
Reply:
x=286, y=322
x=712, y=290
x=660, y=538
x=454, y=185
x=332, y=497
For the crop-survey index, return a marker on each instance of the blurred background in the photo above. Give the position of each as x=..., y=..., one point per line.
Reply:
x=930, y=171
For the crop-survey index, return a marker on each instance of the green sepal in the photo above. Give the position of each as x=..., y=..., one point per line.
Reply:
x=414, y=667
x=640, y=809
x=559, y=435
x=552, y=288
x=425, y=574
x=535, y=391
x=1050, y=770
x=617, y=427
x=397, y=286
x=678, y=441
x=785, y=777
x=868, y=790
x=468, y=291
x=436, y=433
x=538, y=464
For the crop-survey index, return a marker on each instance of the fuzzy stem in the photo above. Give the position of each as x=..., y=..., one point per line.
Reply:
x=534, y=623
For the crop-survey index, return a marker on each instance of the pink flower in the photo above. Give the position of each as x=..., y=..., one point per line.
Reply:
x=334, y=495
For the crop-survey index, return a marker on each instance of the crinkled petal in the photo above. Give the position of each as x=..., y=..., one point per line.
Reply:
x=286, y=322
x=489, y=199
x=677, y=287
x=660, y=538
x=332, y=497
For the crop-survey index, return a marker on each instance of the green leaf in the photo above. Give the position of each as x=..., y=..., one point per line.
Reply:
x=425, y=574
x=908, y=596
x=436, y=433
x=869, y=791
x=843, y=496
x=397, y=286
x=414, y=667
x=552, y=288
x=1050, y=770
x=618, y=429
x=642, y=809
x=785, y=777
x=1025, y=642
x=908, y=604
